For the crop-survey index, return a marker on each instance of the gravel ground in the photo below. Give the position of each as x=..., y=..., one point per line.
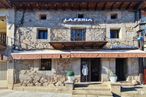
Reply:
x=10, y=93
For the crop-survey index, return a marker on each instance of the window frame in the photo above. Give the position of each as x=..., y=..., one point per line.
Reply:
x=74, y=34
x=43, y=35
x=40, y=15
x=115, y=31
x=49, y=62
x=112, y=14
x=80, y=15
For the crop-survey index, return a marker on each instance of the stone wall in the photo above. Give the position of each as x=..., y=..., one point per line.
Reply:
x=108, y=66
x=28, y=74
x=27, y=23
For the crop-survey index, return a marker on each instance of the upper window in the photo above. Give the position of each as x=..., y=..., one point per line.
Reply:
x=78, y=34
x=114, y=16
x=80, y=15
x=42, y=34
x=114, y=33
x=43, y=16
x=46, y=64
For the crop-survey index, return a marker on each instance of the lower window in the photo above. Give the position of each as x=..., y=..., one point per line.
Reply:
x=114, y=33
x=46, y=64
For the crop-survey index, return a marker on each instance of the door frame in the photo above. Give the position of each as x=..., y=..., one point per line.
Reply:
x=89, y=79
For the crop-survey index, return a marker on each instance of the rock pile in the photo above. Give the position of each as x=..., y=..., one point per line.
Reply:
x=33, y=78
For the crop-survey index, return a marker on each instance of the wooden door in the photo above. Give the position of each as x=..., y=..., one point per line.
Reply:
x=95, y=70
x=121, y=69
x=144, y=76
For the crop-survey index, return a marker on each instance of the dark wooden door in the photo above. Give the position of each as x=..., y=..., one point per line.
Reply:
x=94, y=70
x=121, y=69
x=144, y=76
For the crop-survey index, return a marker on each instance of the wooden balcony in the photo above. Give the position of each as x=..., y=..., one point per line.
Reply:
x=2, y=41
x=78, y=45
x=93, y=39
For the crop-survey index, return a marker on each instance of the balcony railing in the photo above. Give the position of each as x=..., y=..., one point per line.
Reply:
x=92, y=38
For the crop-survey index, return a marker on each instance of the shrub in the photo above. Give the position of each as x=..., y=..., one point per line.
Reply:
x=70, y=73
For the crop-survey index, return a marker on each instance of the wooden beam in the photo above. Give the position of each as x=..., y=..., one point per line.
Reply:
x=139, y=5
x=77, y=4
x=121, y=5
x=75, y=0
x=128, y=5
x=132, y=6
x=104, y=6
x=112, y=5
x=96, y=6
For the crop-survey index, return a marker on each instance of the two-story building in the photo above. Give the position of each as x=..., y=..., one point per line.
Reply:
x=54, y=36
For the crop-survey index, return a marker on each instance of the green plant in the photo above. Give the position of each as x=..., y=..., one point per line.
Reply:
x=70, y=73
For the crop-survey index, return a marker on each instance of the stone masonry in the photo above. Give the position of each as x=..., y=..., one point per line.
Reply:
x=28, y=73
x=28, y=22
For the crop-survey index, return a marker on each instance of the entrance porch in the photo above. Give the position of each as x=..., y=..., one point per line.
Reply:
x=49, y=67
x=99, y=70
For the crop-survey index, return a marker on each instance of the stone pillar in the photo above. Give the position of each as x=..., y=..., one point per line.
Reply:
x=10, y=72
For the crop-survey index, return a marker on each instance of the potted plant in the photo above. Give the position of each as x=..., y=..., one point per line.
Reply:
x=113, y=78
x=70, y=76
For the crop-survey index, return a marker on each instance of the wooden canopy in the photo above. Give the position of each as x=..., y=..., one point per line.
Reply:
x=78, y=4
x=78, y=45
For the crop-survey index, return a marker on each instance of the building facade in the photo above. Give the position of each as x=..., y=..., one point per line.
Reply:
x=53, y=38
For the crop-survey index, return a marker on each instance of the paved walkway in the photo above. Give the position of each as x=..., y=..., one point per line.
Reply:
x=10, y=93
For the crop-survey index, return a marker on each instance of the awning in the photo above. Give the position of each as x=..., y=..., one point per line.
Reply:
x=39, y=54
x=109, y=54
x=53, y=54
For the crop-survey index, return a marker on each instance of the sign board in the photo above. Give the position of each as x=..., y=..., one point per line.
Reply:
x=78, y=20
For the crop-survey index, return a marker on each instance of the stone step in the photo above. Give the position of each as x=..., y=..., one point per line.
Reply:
x=84, y=85
x=126, y=84
x=89, y=96
x=93, y=88
x=92, y=92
